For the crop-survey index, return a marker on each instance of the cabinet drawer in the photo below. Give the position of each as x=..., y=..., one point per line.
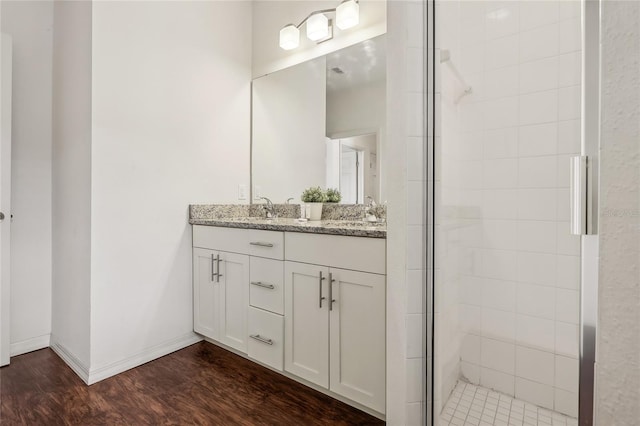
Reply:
x=355, y=253
x=267, y=284
x=266, y=342
x=219, y=238
x=266, y=244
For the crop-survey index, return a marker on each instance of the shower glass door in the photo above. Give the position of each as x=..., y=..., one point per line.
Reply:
x=508, y=88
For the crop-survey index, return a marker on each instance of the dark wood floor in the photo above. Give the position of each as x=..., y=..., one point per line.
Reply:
x=201, y=384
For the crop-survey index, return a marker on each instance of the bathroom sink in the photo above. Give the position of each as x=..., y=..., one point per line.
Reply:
x=255, y=219
x=354, y=223
x=243, y=219
x=286, y=221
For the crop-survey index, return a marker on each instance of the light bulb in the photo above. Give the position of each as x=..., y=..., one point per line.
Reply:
x=289, y=37
x=348, y=14
x=317, y=27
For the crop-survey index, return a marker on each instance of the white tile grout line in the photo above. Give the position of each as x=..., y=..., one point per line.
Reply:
x=472, y=405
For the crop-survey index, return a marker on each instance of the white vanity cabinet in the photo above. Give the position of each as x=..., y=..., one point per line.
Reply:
x=335, y=317
x=220, y=296
x=310, y=305
x=238, y=290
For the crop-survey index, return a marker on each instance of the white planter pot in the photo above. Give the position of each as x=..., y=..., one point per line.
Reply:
x=315, y=211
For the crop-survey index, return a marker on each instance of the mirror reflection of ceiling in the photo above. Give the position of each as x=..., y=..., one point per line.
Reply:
x=357, y=65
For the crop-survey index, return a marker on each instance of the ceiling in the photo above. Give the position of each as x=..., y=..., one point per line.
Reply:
x=360, y=64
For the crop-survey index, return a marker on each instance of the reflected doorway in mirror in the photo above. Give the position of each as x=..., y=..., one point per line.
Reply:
x=352, y=167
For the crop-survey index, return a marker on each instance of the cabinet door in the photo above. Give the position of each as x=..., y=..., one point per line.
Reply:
x=358, y=337
x=306, y=322
x=234, y=300
x=205, y=294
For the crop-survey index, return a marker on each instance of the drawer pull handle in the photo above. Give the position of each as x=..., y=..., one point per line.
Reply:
x=331, y=299
x=261, y=244
x=321, y=297
x=261, y=339
x=218, y=274
x=214, y=274
x=263, y=285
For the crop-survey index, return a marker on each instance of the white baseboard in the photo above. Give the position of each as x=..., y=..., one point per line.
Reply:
x=74, y=363
x=101, y=373
x=30, y=345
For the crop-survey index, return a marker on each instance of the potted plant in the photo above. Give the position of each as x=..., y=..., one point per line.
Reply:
x=332, y=195
x=314, y=197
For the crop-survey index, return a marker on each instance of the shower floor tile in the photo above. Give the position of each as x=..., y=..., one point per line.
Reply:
x=471, y=405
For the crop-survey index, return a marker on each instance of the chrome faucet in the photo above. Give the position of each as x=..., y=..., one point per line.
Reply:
x=370, y=201
x=269, y=208
x=368, y=209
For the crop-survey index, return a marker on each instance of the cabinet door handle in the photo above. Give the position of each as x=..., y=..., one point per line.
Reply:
x=259, y=338
x=331, y=299
x=321, y=278
x=263, y=285
x=261, y=244
x=213, y=269
x=218, y=275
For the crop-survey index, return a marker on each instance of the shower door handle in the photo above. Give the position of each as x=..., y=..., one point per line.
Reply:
x=578, y=194
x=583, y=195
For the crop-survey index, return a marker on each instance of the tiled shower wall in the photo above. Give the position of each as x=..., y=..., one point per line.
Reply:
x=403, y=170
x=507, y=269
x=416, y=215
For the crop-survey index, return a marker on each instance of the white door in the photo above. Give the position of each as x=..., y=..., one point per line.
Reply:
x=234, y=299
x=206, y=293
x=5, y=194
x=349, y=175
x=306, y=323
x=358, y=340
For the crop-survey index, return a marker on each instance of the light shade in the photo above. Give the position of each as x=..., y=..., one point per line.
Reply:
x=289, y=37
x=317, y=27
x=348, y=14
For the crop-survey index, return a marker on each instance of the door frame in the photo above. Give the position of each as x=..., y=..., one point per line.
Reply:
x=589, y=253
x=5, y=195
x=588, y=323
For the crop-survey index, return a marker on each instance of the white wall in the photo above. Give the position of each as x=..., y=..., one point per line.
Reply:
x=510, y=260
x=360, y=108
x=270, y=16
x=171, y=120
x=30, y=23
x=618, y=369
x=72, y=183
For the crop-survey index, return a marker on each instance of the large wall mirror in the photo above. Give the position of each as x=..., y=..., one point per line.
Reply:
x=321, y=123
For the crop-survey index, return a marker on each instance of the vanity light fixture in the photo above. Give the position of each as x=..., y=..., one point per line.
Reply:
x=348, y=14
x=289, y=37
x=319, y=27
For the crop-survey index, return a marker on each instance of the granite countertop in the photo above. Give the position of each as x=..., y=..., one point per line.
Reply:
x=352, y=228
x=337, y=219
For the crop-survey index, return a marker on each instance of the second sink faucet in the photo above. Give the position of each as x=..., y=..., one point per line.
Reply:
x=370, y=201
x=269, y=208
